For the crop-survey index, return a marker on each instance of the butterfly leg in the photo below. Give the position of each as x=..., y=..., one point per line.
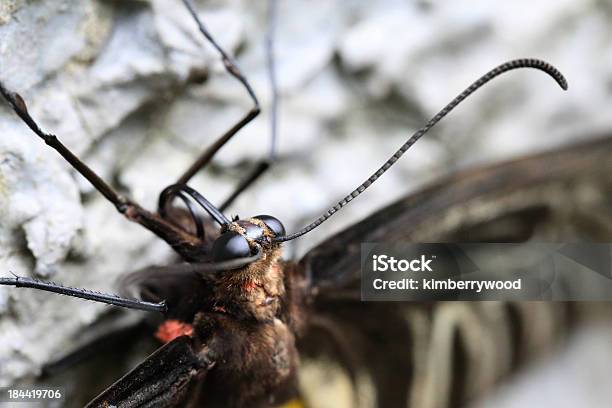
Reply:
x=23, y=282
x=233, y=70
x=176, y=237
x=265, y=164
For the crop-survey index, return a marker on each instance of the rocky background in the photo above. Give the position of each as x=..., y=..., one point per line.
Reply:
x=135, y=91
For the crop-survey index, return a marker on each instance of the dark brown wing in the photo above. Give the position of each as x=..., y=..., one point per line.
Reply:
x=186, y=288
x=165, y=379
x=183, y=289
x=444, y=354
x=555, y=196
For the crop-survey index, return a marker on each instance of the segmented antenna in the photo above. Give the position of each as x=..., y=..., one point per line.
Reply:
x=505, y=67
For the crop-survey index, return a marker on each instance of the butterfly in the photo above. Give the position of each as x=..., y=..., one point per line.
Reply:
x=237, y=316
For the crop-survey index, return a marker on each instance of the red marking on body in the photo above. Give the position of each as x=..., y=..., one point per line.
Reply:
x=276, y=267
x=171, y=329
x=249, y=285
x=220, y=309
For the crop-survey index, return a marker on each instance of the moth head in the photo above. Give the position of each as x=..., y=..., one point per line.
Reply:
x=244, y=238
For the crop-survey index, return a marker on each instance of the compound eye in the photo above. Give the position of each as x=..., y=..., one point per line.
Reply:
x=252, y=231
x=274, y=224
x=230, y=245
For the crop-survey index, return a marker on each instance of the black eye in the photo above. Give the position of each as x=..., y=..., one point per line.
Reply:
x=230, y=245
x=252, y=231
x=273, y=223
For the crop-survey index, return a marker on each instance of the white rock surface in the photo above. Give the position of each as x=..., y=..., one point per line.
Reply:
x=356, y=78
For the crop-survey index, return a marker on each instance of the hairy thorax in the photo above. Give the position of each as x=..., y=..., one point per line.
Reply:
x=247, y=336
x=254, y=292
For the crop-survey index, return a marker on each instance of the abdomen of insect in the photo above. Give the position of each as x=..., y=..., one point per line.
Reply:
x=254, y=361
